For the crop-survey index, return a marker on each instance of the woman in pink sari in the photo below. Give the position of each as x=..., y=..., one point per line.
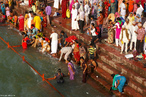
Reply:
x=21, y=23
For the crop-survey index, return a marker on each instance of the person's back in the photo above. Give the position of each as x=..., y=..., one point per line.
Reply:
x=37, y=22
x=54, y=36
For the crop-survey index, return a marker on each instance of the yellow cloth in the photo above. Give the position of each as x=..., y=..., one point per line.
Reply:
x=37, y=21
x=145, y=40
x=68, y=13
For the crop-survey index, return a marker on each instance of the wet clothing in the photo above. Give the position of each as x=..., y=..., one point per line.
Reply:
x=59, y=78
x=70, y=70
x=84, y=74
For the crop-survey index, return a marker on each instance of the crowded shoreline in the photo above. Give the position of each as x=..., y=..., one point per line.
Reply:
x=47, y=45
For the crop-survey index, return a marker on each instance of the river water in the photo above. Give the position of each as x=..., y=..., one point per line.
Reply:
x=19, y=80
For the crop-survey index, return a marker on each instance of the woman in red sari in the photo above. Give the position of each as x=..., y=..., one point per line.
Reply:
x=107, y=5
x=21, y=23
x=64, y=7
x=76, y=52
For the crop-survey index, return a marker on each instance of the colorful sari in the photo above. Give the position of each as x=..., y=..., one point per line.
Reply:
x=64, y=8
x=70, y=68
x=110, y=34
x=76, y=53
x=106, y=7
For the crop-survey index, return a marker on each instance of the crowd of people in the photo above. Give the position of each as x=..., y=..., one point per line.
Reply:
x=121, y=18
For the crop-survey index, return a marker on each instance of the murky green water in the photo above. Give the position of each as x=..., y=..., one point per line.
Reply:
x=17, y=78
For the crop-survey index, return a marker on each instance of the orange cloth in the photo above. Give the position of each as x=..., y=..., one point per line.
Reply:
x=131, y=5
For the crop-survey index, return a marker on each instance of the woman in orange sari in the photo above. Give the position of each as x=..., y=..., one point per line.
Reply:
x=76, y=52
x=131, y=6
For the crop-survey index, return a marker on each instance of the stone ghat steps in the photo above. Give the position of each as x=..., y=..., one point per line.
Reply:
x=120, y=58
x=122, y=69
x=131, y=83
x=107, y=82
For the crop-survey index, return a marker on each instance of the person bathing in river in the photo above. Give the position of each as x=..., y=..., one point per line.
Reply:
x=71, y=69
x=59, y=77
x=84, y=65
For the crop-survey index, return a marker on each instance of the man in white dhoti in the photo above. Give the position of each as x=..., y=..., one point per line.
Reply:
x=87, y=12
x=74, y=25
x=123, y=9
x=54, y=42
x=125, y=38
x=56, y=4
x=133, y=30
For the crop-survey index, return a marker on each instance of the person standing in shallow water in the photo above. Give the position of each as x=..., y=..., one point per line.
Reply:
x=59, y=77
x=71, y=69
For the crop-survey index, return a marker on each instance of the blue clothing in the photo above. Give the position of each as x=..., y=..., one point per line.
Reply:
x=122, y=80
x=3, y=8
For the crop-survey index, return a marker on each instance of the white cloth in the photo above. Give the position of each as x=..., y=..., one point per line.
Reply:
x=54, y=46
x=54, y=36
x=56, y=4
x=82, y=15
x=66, y=51
x=76, y=5
x=127, y=26
x=133, y=37
x=29, y=21
x=93, y=32
x=87, y=10
x=125, y=39
x=139, y=10
x=123, y=9
x=133, y=34
x=75, y=24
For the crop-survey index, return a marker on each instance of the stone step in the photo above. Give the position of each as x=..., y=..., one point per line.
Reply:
x=121, y=68
x=108, y=79
x=120, y=58
x=136, y=86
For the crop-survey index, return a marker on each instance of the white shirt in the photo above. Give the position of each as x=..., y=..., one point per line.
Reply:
x=54, y=36
x=139, y=10
x=93, y=32
x=123, y=9
x=82, y=15
x=134, y=35
x=87, y=9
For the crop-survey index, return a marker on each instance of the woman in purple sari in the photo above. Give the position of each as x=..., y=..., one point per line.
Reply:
x=71, y=69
